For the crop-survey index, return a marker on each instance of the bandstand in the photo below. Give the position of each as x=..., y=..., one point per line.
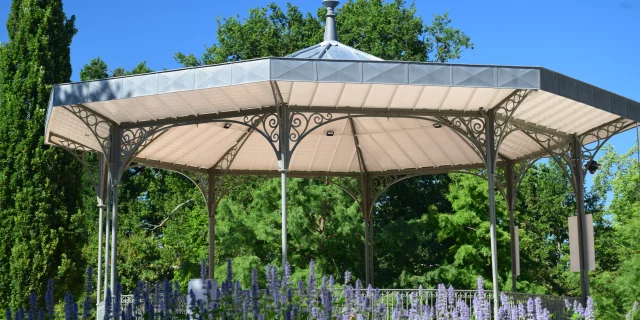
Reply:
x=333, y=112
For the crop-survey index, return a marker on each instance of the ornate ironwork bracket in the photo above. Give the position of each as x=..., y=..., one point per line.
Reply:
x=561, y=148
x=79, y=152
x=99, y=125
x=520, y=169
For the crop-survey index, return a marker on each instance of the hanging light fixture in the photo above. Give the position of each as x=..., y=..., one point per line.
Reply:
x=330, y=133
x=592, y=166
x=227, y=125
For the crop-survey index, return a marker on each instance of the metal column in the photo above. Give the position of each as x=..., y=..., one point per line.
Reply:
x=106, y=237
x=102, y=187
x=366, y=213
x=114, y=235
x=283, y=191
x=211, y=211
x=490, y=160
x=578, y=179
x=511, y=204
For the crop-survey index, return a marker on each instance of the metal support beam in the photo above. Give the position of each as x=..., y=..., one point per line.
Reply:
x=106, y=236
x=211, y=211
x=510, y=198
x=114, y=236
x=283, y=163
x=578, y=180
x=102, y=189
x=115, y=172
x=366, y=207
x=490, y=161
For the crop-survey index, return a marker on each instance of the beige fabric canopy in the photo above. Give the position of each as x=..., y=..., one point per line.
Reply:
x=383, y=97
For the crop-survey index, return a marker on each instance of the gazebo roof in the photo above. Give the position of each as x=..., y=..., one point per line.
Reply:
x=370, y=109
x=386, y=91
x=333, y=50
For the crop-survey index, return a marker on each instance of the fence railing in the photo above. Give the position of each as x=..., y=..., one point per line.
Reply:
x=392, y=298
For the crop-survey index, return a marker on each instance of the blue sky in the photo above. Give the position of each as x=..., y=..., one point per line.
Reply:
x=597, y=41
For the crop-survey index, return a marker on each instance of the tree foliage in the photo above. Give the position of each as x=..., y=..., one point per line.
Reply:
x=40, y=186
x=427, y=230
x=388, y=30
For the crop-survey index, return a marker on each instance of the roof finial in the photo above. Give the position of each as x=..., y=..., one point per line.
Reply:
x=330, y=32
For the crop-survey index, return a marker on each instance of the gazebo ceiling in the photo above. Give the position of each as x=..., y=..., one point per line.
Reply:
x=383, y=96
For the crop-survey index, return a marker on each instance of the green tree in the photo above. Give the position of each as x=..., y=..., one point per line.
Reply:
x=389, y=30
x=40, y=186
x=616, y=288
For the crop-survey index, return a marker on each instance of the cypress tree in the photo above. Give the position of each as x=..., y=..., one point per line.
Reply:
x=41, y=233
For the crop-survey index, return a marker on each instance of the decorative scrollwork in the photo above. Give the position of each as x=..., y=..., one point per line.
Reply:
x=595, y=139
x=79, y=152
x=471, y=128
x=134, y=140
x=302, y=123
x=504, y=111
x=381, y=183
x=557, y=147
x=98, y=125
x=268, y=124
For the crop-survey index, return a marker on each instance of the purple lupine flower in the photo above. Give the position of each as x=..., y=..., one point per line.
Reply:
x=246, y=303
x=203, y=269
x=40, y=314
x=301, y=291
x=538, y=303
x=442, y=301
x=451, y=294
x=20, y=314
x=314, y=313
x=7, y=314
x=635, y=306
x=268, y=276
x=530, y=309
x=327, y=299
x=465, y=312
x=380, y=311
x=255, y=291
x=420, y=291
x=359, y=297
x=332, y=283
x=504, y=312
x=48, y=300
x=521, y=311
x=397, y=311
x=347, y=277
x=480, y=303
x=274, y=290
x=107, y=305
x=567, y=304
x=237, y=297
x=589, y=313
x=294, y=311
x=229, y=270
x=151, y=312
x=33, y=306
x=192, y=299
x=70, y=307
x=348, y=298
x=311, y=286
x=129, y=315
x=117, y=297
x=413, y=312
x=167, y=305
x=87, y=306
